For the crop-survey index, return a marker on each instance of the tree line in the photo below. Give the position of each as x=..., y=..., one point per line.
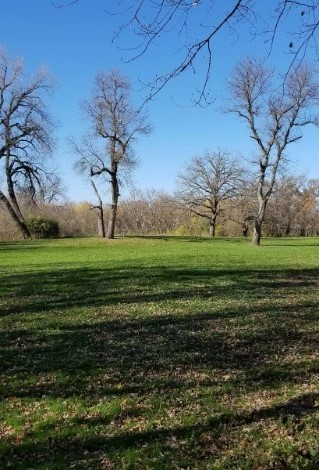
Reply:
x=293, y=210
x=214, y=187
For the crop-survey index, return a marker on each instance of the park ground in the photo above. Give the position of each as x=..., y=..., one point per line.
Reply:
x=159, y=353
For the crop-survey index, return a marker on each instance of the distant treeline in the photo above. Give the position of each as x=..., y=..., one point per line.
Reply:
x=293, y=210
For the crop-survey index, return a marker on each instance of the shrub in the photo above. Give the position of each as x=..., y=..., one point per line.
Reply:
x=194, y=227
x=43, y=228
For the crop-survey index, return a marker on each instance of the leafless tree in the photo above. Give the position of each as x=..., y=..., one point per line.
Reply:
x=293, y=208
x=107, y=150
x=208, y=181
x=275, y=116
x=25, y=134
x=308, y=214
x=284, y=205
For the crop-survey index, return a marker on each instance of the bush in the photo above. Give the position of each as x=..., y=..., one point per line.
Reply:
x=195, y=227
x=43, y=228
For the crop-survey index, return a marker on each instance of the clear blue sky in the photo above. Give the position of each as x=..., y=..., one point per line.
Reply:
x=75, y=43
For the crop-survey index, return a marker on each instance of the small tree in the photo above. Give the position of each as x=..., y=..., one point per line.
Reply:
x=275, y=116
x=208, y=181
x=115, y=125
x=25, y=135
x=43, y=228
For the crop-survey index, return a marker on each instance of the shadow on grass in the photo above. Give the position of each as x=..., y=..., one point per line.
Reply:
x=217, y=432
x=16, y=246
x=153, y=346
x=144, y=354
x=258, y=323
x=85, y=287
x=258, y=332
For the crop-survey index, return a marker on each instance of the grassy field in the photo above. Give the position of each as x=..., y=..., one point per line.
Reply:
x=159, y=353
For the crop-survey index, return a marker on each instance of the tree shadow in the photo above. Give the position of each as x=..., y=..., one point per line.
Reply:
x=153, y=347
x=15, y=246
x=229, y=349
x=217, y=430
x=87, y=287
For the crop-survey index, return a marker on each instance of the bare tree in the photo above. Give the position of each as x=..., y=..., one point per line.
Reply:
x=25, y=134
x=293, y=208
x=275, y=116
x=308, y=214
x=284, y=205
x=115, y=125
x=208, y=181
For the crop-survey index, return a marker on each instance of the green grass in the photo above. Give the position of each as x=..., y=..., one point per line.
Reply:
x=159, y=353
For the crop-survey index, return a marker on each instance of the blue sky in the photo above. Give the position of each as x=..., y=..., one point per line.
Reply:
x=75, y=43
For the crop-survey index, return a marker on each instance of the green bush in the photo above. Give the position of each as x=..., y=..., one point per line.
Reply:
x=196, y=227
x=43, y=228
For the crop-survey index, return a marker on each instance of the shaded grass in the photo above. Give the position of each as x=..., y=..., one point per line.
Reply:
x=159, y=353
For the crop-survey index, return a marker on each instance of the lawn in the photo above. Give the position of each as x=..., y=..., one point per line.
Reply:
x=159, y=353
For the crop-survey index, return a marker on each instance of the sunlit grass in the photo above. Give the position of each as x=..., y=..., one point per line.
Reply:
x=159, y=353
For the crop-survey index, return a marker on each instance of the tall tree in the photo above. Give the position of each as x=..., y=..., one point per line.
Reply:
x=207, y=182
x=275, y=116
x=25, y=134
x=107, y=149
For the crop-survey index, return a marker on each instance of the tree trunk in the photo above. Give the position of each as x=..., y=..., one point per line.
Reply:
x=262, y=202
x=99, y=207
x=100, y=223
x=212, y=224
x=212, y=229
x=257, y=232
x=11, y=202
x=17, y=218
x=258, y=222
x=112, y=221
x=287, y=230
x=115, y=198
x=245, y=228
